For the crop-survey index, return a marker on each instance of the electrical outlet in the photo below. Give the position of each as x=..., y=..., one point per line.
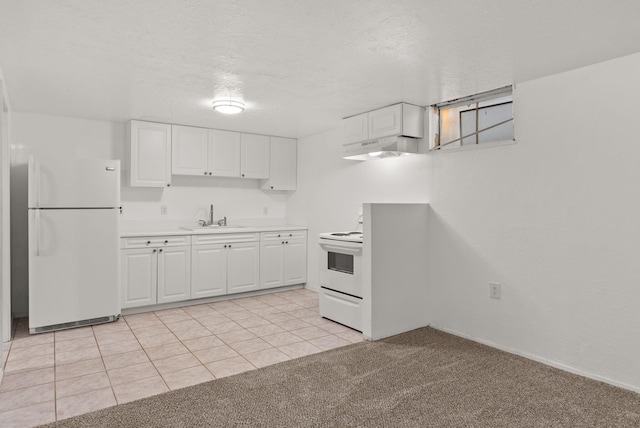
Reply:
x=163, y=210
x=495, y=290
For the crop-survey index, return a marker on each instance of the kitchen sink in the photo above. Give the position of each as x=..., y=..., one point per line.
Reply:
x=211, y=227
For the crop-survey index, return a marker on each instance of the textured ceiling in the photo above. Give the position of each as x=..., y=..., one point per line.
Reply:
x=300, y=65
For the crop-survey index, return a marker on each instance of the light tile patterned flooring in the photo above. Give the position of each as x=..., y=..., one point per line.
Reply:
x=54, y=376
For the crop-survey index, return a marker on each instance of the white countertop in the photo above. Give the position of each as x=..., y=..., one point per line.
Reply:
x=129, y=229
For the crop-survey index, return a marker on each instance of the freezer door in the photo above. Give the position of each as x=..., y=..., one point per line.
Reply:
x=73, y=183
x=73, y=265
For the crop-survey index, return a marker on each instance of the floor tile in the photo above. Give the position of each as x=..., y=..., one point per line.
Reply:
x=30, y=352
x=111, y=327
x=157, y=340
x=280, y=316
x=75, y=343
x=139, y=389
x=82, y=384
x=183, y=325
x=266, y=357
x=73, y=333
x=251, y=345
x=131, y=373
x=229, y=367
x=114, y=348
x=269, y=310
x=165, y=351
x=217, y=353
x=202, y=343
x=299, y=349
x=35, y=363
x=303, y=313
x=335, y=328
x=352, y=336
x=281, y=339
x=236, y=336
x=292, y=324
x=187, y=377
x=150, y=330
x=240, y=315
x=66, y=357
x=265, y=330
x=84, y=403
x=251, y=303
x=329, y=342
x=226, y=307
x=32, y=340
x=287, y=307
x=254, y=321
x=192, y=333
x=173, y=364
x=223, y=327
x=29, y=416
x=23, y=380
x=126, y=359
x=26, y=396
x=312, y=332
x=80, y=368
x=113, y=337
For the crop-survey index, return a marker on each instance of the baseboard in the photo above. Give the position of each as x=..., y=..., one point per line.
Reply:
x=543, y=360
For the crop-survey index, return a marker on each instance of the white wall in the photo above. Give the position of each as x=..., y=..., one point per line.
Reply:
x=188, y=197
x=555, y=218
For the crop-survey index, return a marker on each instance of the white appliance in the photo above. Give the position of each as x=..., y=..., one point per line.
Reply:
x=73, y=208
x=340, y=278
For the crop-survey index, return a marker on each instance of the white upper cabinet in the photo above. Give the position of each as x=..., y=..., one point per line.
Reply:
x=189, y=150
x=355, y=128
x=254, y=157
x=148, y=153
x=224, y=153
x=398, y=119
x=283, y=161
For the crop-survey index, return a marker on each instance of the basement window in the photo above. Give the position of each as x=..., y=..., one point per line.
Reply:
x=472, y=121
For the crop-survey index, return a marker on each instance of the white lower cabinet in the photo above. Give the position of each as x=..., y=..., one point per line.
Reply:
x=155, y=270
x=224, y=264
x=283, y=258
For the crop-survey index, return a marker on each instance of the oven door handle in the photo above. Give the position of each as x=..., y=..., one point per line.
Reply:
x=343, y=247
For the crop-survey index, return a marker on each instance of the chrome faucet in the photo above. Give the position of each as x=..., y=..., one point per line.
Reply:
x=211, y=215
x=222, y=221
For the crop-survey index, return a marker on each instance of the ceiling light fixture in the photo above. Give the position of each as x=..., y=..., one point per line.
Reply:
x=228, y=106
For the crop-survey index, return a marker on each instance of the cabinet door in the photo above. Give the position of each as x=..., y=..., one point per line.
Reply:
x=295, y=261
x=385, y=121
x=224, y=153
x=149, y=154
x=355, y=128
x=139, y=269
x=208, y=271
x=174, y=274
x=189, y=148
x=254, y=156
x=282, y=164
x=243, y=264
x=272, y=263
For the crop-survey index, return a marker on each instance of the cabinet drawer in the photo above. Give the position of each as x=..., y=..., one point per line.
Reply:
x=154, y=241
x=225, y=238
x=282, y=234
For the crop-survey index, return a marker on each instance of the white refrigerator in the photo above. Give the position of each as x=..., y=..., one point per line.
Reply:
x=73, y=207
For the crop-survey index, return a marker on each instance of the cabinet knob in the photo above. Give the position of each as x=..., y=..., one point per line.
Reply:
x=155, y=251
x=243, y=175
x=225, y=246
x=282, y=242
x=160, y=250
x=291, y=234
x=229, y=245
x=148, y=242
x=278, y=236
x=205, y=173
x=211, y=173
x=166, y=242
x=168, y=184
x=286, y=242
x=272, y=187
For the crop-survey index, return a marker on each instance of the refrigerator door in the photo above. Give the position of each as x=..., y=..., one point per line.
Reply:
x=73, y=183
x=73, y=265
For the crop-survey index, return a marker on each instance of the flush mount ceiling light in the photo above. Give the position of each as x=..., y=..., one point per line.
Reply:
x=228, y=106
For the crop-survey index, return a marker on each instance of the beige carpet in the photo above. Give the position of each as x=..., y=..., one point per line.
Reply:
x=424, y=378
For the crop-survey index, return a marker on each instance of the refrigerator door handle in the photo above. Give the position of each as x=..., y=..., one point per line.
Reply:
x=37, y=213
x=37, y=184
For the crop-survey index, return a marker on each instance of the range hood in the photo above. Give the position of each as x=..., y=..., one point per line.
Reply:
x=381, y=148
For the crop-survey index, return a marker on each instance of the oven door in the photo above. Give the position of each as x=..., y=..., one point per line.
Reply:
x=341, y=266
